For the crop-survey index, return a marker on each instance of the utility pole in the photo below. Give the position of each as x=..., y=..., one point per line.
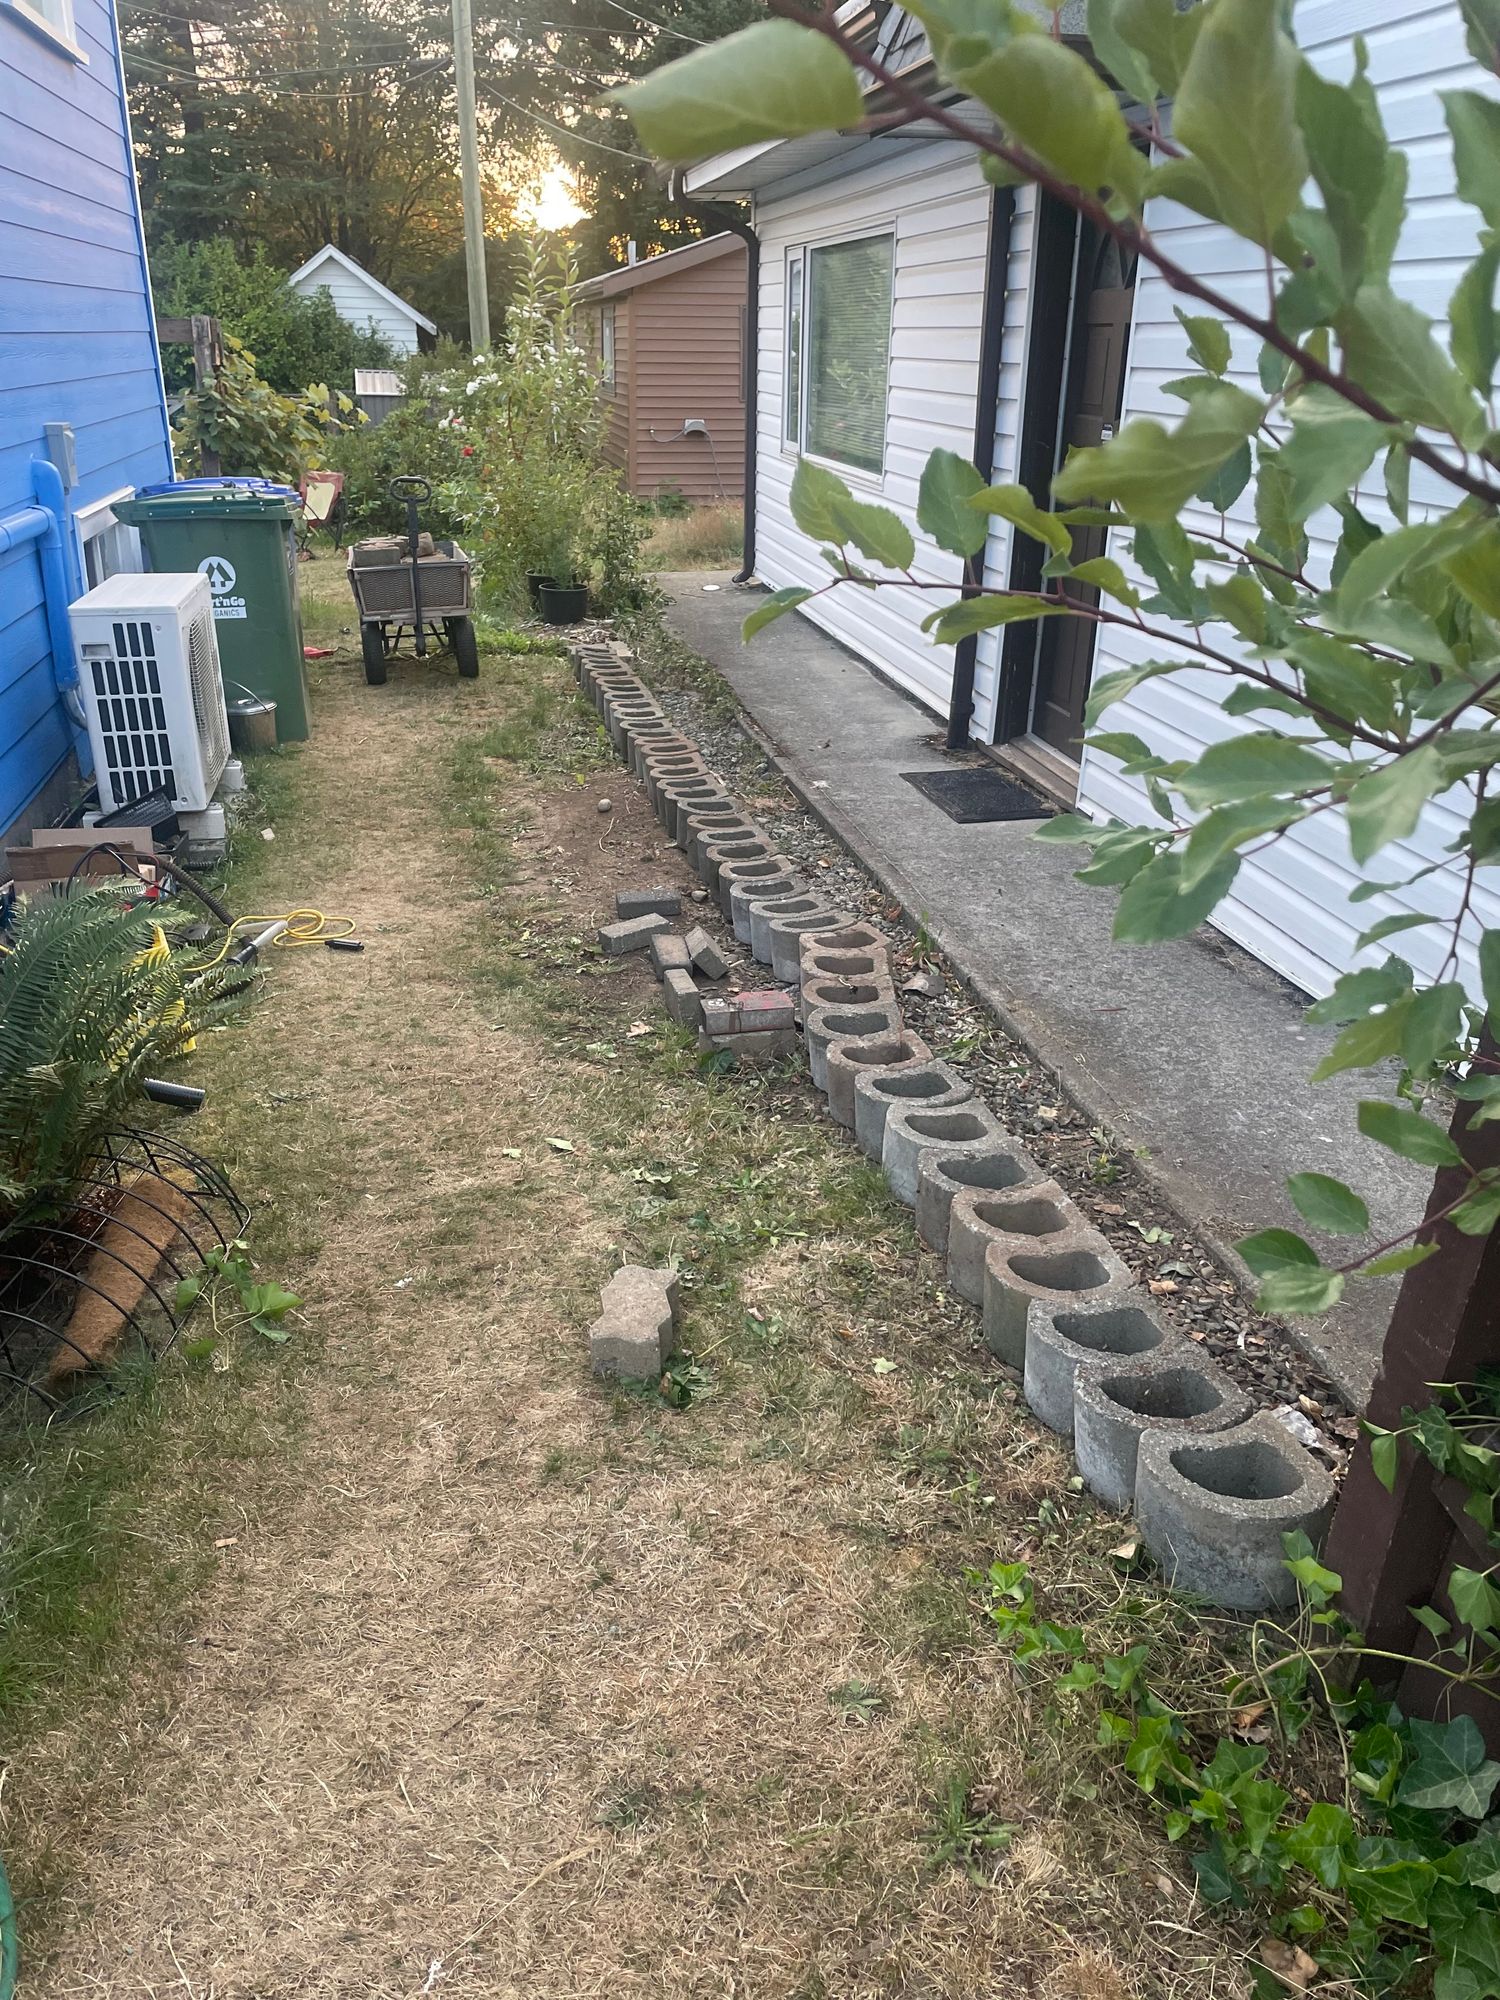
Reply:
x=468, y=153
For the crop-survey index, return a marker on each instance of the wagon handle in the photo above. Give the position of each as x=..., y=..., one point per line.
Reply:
x=412, y=490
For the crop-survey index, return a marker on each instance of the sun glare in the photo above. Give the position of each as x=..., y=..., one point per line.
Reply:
x=552, y=204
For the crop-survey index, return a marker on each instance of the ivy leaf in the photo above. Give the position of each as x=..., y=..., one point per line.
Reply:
x=1471, y=1961
x=1473, y=326
x=1152, y=472
x=1246, y=767
x=949, y=484
x=1156, y=905
x=1208, y=340
x=1327, y=1204
x=1474, y=122
x=1407, y=1133
x=773, y=607
x=1234, y=112
x=770, y=81
x=1475, y=1599
x=1015, y=504
x=1386, y=805
x=1324, y=1843
x=1449, y=1771
x=1390, y=350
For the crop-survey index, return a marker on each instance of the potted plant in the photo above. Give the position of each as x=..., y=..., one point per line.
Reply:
x=564, y=594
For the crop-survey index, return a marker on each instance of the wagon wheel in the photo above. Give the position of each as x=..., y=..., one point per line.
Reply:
x=465, y=646
x=372, y=643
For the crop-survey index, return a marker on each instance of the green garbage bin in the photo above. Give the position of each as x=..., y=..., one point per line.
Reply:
x=242, y=535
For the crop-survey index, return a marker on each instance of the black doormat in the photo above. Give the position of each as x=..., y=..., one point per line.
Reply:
x=977, y=793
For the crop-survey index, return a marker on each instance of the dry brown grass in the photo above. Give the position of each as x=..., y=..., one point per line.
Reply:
x=711, y=537
x=519, y=1687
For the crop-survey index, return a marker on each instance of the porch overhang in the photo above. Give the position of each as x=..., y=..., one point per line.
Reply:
x=747, y=169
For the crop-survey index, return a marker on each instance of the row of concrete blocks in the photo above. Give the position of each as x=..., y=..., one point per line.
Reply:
x=1155, y=1425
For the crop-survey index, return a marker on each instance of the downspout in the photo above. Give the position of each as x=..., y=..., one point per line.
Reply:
x=42, y=524
x=746, y=233
x=986, y=404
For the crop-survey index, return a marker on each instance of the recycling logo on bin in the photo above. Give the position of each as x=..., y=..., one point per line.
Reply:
x=222, y=577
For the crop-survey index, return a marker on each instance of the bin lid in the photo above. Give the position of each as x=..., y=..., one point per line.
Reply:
x=210, y=499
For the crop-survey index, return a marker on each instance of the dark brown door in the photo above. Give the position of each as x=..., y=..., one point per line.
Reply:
x=1101, y=330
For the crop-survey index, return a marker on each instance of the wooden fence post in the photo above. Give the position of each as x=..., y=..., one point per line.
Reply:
x=1393, y=1549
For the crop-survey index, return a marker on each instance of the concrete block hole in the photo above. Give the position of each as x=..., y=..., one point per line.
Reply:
x=1249, y=1471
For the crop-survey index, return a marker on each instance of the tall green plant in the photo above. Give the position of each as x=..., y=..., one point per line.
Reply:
x=1366, y=682
x=87, y=1012
x=253, y=428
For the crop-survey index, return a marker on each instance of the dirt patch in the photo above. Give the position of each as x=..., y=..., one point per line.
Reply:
x=513, y=1684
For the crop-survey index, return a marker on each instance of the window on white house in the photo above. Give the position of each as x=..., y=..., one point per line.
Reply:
x=607, y=346
x=848, y=350
x=792, y=395
x=106, y=546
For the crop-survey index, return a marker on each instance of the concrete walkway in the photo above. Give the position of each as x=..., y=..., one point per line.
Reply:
x=1193, y=1053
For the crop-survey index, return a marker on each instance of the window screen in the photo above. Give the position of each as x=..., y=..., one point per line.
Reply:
x=793, y=397
x=849, y=345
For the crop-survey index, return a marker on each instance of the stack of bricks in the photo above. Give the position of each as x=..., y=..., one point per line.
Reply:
x=1059, y=1308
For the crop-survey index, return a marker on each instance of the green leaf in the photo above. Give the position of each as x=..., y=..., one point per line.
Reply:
x=1355, y=993
x=771, y=81
x=1228, y=827
x=1390, y=351
x=1327, y=1204
x=1377, y=567
x=1015, y=504
x=1489, y=971
x=1208, y=340
x=1222, y=488
x=1281, y=531
x=816, y=498
x=1471, y=1961
x=952, y=622
x=1111, y=689
x=1323, y=1844
x=1125, y=64
x=1407, y=1133
x=773, y=607
x=1234, y=112
x=1478, y=1214
x=1385, y=1458
x=1299, y=1291
x=1391, y=926
x=1251, y=766
x=1374, y=1039
x=1344, y=680
x=880, y=535
x=1277, y=1250
x=1475, y=1599
x=1104, y=573
x=1163, y=34
x=1326, y=454
x=1434, y=1024
x=1156, y=905
x=1347, y=154
x=1449, y=1771
x=1067, y=827
x=1240, y=602
x=1386, y=805
x=1482, y=21
x=1397, y=1261
x=1152, y=472
x=944, y=510
x=1473, y=325
x=1474, y=122
x=1055, y=103
x=1475, y=568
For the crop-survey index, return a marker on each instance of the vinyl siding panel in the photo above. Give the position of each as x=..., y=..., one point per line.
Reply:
x=687, y=360
x=358, y=305
x=934, y=200
x=77, y=344
x=1290, y=906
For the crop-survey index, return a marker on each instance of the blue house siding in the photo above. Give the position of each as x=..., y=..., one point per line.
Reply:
x=77, y=345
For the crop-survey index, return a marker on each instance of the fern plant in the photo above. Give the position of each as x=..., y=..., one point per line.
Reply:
x=87, y=1011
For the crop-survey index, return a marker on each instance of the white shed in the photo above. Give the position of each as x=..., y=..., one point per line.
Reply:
x=361, y=300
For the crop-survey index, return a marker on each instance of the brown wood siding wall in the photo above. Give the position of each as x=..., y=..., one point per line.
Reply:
x=617, y=405
x=687, y=360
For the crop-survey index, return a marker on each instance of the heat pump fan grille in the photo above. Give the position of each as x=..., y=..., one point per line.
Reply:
x=131, y=715
x=208, y=694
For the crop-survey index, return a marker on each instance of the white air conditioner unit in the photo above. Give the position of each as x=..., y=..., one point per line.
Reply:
x=148, y=669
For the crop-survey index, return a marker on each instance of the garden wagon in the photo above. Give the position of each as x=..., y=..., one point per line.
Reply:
x=397, y=589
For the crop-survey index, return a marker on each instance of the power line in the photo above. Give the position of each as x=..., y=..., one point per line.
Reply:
x=676, y=33
x=242, y=82
x=564, y=131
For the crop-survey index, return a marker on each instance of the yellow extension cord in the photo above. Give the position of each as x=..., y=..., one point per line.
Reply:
x=302, y=927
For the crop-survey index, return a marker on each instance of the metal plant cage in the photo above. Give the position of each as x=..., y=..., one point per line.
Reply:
x=52, y=1265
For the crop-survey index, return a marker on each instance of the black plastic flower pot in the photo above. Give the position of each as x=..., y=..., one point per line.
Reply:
x=536, y=579
x=564, y=604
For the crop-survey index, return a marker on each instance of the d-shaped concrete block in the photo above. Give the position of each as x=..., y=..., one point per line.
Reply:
x=993, y=1165
x=1173, y=1391
x=844, y=1062
x=822, y=1025
x=979, y=1218
x=1076, y=1270
x=784, y=934
x=913, y=1131
x=1062, y=1338
x=930, y=1086
x=805, y=902
x=1213, y=1510
x=743, y=883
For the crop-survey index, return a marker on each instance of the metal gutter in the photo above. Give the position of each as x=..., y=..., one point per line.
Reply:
x=986, y=406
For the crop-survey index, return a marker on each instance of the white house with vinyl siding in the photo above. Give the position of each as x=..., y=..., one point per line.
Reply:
x=1062, y=321
x=360, y=300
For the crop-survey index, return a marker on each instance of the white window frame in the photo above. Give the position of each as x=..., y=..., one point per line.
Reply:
x=805, y=254
x=96, y=522
x=607, y=352
x=62, y=31
x=791, y=427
